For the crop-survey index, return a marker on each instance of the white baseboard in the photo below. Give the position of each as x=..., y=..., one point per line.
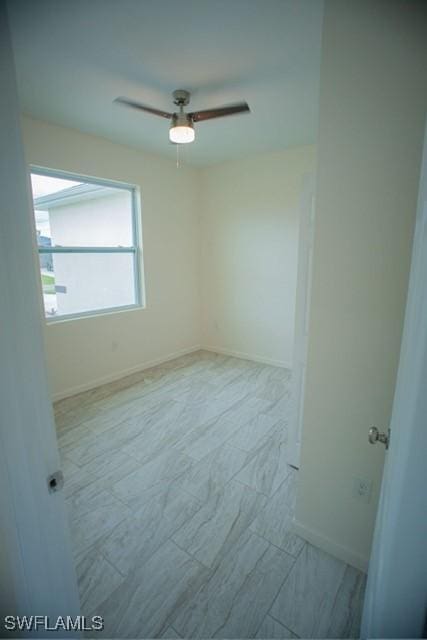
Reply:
x=97, y=382
x=326, y=544
x=248, y=356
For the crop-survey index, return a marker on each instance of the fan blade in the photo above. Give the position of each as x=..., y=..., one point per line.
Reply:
x=220, y=112
x=142, y=107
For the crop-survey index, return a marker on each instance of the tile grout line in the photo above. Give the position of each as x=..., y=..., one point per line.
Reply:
x=294, y=559
x=173, y=628
x=283, y=625
x=190, y=556
x=281, y=587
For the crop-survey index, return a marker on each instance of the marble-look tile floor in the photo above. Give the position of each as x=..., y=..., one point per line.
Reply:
x=180, y=504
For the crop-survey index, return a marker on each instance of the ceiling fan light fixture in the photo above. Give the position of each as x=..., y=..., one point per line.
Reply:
x=181, y=130
x=181, y=134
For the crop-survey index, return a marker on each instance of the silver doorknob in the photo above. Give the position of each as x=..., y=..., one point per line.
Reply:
x=376, y=436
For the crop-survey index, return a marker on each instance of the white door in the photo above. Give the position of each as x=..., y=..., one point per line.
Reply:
x=302, y=311
x=36, y=568
x=396, y=596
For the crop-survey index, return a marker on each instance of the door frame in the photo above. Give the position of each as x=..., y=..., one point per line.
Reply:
x=302, y=315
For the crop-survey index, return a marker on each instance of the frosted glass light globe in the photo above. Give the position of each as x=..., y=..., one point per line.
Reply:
x=181, y=134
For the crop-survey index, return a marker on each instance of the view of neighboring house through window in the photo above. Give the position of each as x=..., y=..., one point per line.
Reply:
x=87, y=242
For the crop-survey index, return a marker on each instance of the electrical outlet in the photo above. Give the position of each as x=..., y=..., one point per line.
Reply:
x=362, y=489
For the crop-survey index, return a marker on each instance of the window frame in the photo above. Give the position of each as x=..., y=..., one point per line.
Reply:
x=135, y=249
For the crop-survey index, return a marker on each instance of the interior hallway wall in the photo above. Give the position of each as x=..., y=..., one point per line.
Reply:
x=250, y=212
x=372, y=109
x=88, y=351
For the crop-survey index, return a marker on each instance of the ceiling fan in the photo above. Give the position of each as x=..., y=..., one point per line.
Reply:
x=181, y=129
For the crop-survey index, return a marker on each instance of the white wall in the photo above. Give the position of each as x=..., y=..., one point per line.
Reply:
x=85, y=351
x=372, y=110
x=250, y=211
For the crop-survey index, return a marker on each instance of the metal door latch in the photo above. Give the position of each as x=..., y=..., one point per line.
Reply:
x=55, y=481
x=376, y=436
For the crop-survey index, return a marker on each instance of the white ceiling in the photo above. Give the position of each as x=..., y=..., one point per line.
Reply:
x=73, y=57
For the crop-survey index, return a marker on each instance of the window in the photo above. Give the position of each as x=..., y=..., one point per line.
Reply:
x=87, y=239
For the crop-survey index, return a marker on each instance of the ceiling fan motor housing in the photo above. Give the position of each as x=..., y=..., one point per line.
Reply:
x=181, y=97
x=181, y=120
